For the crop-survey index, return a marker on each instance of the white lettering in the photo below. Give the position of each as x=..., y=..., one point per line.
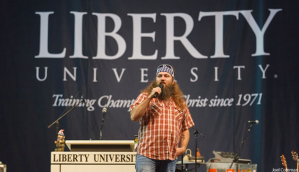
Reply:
x=107, y=101
x=56, y=98
x=101, y=48
x=137, y=35
x=194, y=74
x=259, y=34
x=73, y=102
x=216, y=74
x=37, y=74
x=43, y=45
x=264, y=70
x=143, y=75
x=69, y=73
x=239, y=71
x=118, y=78
x=218, y=30
x=170, y=38
x=95, y=75
x=78, y=35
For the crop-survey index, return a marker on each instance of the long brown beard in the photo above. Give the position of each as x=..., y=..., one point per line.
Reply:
x=167, y=92
x=177, y=93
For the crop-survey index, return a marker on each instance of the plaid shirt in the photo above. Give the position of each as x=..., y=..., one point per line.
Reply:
x=161, y=128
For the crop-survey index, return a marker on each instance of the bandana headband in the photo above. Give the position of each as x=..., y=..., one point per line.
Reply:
x=165, y=68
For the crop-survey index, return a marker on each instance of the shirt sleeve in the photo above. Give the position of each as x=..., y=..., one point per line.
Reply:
x=139, y=99
x=188, y=121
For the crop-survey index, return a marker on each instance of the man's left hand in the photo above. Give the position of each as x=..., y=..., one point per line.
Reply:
x=180, y=151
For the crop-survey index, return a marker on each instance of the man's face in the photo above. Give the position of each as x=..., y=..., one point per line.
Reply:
x=164, y=78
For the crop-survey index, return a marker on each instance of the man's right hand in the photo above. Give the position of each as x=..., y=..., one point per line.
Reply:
x=155, y=90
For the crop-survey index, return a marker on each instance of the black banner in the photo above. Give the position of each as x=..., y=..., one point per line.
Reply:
x=235, y=62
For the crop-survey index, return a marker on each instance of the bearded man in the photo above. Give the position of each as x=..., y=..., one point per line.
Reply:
x=164, y=122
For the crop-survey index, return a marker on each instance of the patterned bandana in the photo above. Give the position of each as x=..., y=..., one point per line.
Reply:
x=165, y=68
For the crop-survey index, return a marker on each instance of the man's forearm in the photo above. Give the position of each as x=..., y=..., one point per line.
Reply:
x=184, y=143
x=138, y=112
x=185, y=139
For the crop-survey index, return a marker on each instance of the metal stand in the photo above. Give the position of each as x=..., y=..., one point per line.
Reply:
x=103, y=119
x=196, y=132
x=182, y=164
x=57, y=120
x=236, y=158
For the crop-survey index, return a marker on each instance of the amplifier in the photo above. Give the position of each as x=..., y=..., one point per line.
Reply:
x=225, y=167
x=227, y=157
x=2, y=167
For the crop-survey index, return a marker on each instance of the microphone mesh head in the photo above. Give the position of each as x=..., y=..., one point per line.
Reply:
x=104, y=110
x=257, y=121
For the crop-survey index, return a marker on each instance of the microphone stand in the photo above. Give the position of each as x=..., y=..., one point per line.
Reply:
x=103, y=119
x=57, y=120
x=182, y=164
x=236, y=158
x=196, y=132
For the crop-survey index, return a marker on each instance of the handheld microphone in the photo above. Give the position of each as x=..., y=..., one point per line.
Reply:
x=253, y=122
x=156, y=94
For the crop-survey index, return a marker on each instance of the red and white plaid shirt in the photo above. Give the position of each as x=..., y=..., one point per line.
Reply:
x=161, y=128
